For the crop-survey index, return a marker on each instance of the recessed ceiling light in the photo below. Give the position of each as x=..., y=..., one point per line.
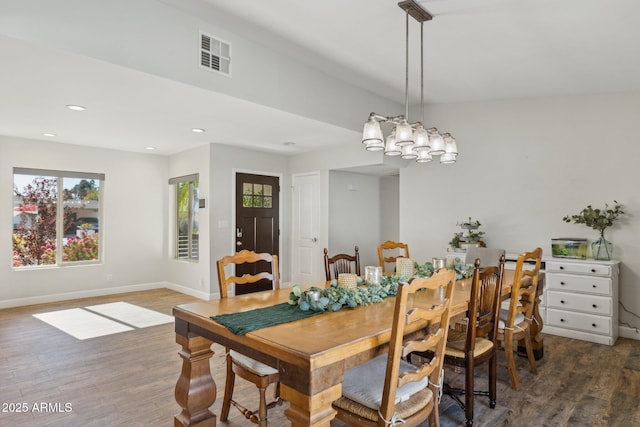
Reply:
x=150, y=148
x=76, y=107
x=198, y=130
x=49, y=134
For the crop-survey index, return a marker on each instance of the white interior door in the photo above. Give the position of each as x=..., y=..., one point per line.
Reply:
x=307, y=256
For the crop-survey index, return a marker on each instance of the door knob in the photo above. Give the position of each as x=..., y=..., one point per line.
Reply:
x=315, y=239
x=238, y=243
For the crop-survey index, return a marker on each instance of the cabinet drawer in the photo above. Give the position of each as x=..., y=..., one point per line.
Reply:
x=579, y=321
x=590, y=304
x=578, y=268
x=588, y=284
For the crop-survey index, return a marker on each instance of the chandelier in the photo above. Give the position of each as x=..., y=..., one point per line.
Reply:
x=410, y=140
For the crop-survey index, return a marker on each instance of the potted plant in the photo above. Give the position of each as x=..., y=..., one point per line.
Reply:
x=598, y=219
x=472, y=238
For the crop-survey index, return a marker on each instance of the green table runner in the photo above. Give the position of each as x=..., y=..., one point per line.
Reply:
x=247, y=321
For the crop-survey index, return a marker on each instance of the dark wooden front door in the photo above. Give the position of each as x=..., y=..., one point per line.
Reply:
x=257, y=202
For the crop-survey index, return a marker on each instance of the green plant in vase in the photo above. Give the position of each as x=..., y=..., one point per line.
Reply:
x=598, y=219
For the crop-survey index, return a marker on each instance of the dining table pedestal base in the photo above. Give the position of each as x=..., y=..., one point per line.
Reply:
x=315, y=411
x=195, y=390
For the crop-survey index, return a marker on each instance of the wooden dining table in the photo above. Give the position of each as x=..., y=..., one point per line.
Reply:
x=311, y=354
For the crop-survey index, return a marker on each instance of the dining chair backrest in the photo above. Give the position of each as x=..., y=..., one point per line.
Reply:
x=388, y=252
x=524, y=287
x=436, y=327
x=484, y=302
x=341, y=263
x=487, y=256
x=245, y=256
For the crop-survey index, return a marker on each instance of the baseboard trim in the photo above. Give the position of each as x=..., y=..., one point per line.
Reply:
x=193, y=292
x=43, y=299
x=627, y=332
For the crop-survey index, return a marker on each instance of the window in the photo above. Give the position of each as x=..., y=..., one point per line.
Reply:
x=257, y=195
x=187, y=200
x=47, y=232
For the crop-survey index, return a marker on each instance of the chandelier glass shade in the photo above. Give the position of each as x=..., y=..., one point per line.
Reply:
x=410, y=140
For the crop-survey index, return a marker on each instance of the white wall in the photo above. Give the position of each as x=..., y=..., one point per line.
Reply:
x=523, y=165
x=354, y=215
x=192, y=277
x=132, y=228
x=389, y=208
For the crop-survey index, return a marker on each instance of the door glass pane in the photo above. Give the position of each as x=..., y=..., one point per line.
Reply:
x=247, y=191
x=267, y=190
x=267, y=202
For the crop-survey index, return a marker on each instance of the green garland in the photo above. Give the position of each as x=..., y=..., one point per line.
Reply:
x=462, y=270
x=335, y=297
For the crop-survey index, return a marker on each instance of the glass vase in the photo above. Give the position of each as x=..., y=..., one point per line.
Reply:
x=602, y=249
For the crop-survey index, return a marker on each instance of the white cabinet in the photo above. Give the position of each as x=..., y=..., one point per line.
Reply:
x=581, y=299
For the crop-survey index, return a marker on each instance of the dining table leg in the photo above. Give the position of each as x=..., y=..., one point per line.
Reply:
x=314, y=411
x=195, y=390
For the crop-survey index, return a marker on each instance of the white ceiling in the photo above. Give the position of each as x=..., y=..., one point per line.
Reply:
x=474, y=50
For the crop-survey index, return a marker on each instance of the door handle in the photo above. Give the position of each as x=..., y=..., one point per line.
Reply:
x=315, y=239
x=238, y=243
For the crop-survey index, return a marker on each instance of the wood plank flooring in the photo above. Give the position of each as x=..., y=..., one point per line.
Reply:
x=129, y=378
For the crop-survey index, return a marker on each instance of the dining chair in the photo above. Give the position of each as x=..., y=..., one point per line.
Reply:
x=341, y=263
x=487, y=256
x=389, y=251
x=237, y=363
x=388, y=390
x=515, y=322
x=477, y=344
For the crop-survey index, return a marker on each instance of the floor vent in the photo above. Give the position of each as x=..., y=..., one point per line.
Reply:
x=215, y=54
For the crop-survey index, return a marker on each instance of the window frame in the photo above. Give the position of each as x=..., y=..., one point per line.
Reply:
x=60, y=205
x=193, y=247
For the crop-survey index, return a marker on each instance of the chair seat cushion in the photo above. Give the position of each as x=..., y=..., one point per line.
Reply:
x=364, y=383
x=252, y=364
x=504, y=314
x=456, y=341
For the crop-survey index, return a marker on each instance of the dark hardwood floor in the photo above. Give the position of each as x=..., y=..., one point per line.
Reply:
x=129, y=378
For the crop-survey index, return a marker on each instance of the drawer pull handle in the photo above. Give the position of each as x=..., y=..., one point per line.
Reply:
x=562, y=283
x=562, y=320
x=594, y=286
x=561, y=301
x=593, y=324
x=561, y=268
x=593, y=270
x=594, y=306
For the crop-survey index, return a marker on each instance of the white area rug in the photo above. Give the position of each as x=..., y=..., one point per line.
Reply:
x=82, y=324
x=130, y=314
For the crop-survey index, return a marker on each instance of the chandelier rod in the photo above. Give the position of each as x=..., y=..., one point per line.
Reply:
x=422, y=71
x=406, y=72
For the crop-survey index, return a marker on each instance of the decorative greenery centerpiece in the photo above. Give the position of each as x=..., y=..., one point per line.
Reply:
x=335, y=297
x=474, y=235
x=462, y=270
x=598, y=219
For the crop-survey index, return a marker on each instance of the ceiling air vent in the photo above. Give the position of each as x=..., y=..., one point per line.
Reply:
x=215, y=55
